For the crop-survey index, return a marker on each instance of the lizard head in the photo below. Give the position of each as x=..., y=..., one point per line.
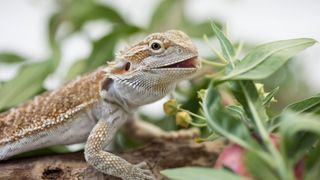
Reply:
x=169, y=56
x=156, y=63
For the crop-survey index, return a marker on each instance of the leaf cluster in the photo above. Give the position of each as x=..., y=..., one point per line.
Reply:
x=247, y=123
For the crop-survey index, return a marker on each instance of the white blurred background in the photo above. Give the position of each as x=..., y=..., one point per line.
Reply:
x=23, y=28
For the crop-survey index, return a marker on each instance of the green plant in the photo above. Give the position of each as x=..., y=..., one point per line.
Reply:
x=247, y=124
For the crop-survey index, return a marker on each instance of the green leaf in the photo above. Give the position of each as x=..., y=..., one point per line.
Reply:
x=105, y=12
x=27, y=83
x=226, y=45
x=80, y=12
x=238, y=111
x=221, y=121
x=192, y=96
x=313, y=164
x=103, y=49
x=76, y=69
x=304, y=139
x=245, y=91
x=311, y=104
x=102, y=52
x=299, y=132
x=247, y=95
x=53, y=26
x=10, y=57
x=196, y=173
x=264, y=60
x=167, y=15
x=196, y=30
x=268, y=99
x=258, y=167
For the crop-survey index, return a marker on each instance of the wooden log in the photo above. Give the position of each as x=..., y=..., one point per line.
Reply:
x=159, y=154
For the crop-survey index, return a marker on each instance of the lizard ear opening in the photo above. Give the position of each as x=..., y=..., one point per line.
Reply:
x=105, y=84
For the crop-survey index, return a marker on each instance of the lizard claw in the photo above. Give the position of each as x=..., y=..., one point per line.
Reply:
x=142, y=165
x=141, y=172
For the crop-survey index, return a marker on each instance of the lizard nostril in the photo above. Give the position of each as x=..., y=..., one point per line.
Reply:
x=127, y=67
x=179, y=50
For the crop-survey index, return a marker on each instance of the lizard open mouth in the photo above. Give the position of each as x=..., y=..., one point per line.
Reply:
x=188, y=63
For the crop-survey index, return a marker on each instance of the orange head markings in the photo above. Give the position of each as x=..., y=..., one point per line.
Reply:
x=157, y=50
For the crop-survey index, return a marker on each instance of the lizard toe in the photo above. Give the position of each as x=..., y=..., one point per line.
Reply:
x=142, y=165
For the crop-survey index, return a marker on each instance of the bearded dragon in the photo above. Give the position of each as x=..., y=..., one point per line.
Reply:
x=92, y=108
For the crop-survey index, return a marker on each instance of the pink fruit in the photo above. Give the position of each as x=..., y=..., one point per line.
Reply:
x=299, y=169
x=232, y=157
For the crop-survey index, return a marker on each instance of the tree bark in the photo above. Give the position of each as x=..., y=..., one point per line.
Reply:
x=159, y=154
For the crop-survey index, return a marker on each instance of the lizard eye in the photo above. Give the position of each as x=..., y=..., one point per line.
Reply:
x=156, y=46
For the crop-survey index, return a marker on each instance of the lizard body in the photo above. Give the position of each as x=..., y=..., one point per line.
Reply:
x=91, y=109
x=27, y=126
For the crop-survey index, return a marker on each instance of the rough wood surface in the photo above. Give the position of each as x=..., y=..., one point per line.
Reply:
x=159, y=154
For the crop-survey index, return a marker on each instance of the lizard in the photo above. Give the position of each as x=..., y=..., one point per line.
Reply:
x=91, y=108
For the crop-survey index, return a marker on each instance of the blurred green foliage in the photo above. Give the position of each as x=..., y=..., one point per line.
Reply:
x=73, y=14
x=273, y=145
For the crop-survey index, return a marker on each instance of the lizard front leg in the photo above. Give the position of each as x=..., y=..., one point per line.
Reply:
x=108, y=163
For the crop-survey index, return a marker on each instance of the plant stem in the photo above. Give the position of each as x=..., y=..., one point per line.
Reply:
x=213, y=63
x=193, y=114
x=238, y=50
x=220, y=56
x=211, y=137
x=215, y=74
x=226, y=29
x=237, y=140
x=265, y=136
x=197, y=116
x=197, y=124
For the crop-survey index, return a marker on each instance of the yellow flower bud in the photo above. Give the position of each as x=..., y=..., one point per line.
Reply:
x=198, y=139
x=262, y=92
x=201, y=93
x=183, y=119
x=260, y=89
x=171, y=107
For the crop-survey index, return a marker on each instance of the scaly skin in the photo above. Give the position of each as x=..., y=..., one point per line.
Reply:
x=92, y=108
